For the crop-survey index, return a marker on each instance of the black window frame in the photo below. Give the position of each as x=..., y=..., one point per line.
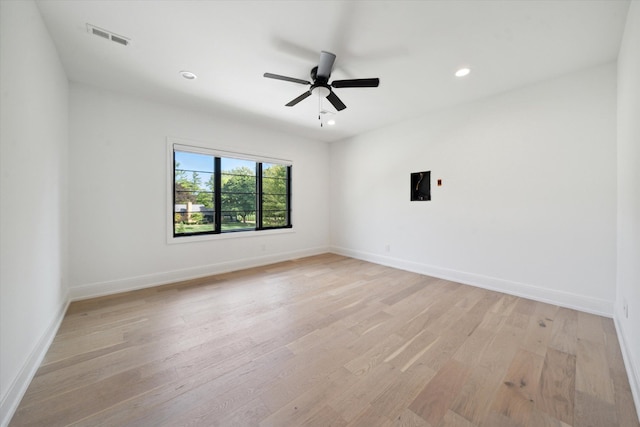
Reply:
x=217, y=195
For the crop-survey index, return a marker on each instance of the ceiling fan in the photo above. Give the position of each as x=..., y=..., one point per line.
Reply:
x=320, y=77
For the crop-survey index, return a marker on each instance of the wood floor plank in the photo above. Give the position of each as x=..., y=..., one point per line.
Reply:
x=591, y=411
x=161, y=402
x=539, y=329
x=318, y=337
x=624, y=405
x=436, y=297
x=433, y=402
x=411, y=350
x=157, y=354
x=250, y=414
x=474, y=399
x=304, y=406
x=80, y=403
x=477, y=315
x=556, y=388
x=590, y=328
x=377, y=354
x=409, y=419
x=404, y=293
x=542, y=419
x=370, y=417
x=326, y=417
x=328, y=340
x=516, y=397
x=472, y=349
x=495, y=419
x=564, y=333
x=371, y=322
x=451, y=419
x=518, y=320
x=394, y=399
x=592, y=371
x=351, y=402
x=443, y=349
x=302, y=373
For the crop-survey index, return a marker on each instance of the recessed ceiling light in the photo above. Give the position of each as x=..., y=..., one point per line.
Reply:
x=331, y=122
x=188, y=75
x=463, y=72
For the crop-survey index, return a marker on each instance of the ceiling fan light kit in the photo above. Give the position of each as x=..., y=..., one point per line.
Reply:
x=320, y=83
x=321, y=91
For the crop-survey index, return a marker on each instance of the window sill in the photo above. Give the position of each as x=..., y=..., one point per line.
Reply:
x=230, y=235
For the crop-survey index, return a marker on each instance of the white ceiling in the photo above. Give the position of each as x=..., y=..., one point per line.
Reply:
x=414, y=47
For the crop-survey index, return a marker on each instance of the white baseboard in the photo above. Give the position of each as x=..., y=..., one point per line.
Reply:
x=550, y=296
x=633, y=371
x=92, y=290
x=18, y=388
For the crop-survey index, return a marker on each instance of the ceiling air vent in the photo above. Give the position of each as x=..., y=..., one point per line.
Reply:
x=105, y=34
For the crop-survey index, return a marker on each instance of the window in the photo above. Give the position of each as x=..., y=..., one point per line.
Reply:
x=215, y=194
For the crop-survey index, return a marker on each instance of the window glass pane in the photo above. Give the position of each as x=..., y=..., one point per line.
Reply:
x=274, y=195
x=274, y=219
x=194, y=196
x=238, y=194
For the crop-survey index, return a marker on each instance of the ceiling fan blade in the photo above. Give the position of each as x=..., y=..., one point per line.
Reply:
x=286, y=79
x=356, y=83
x=298, y=99
x=335, y=101
x=326, y=64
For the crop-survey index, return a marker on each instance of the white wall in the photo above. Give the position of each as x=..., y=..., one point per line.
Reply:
x=118, y=194
x=528, y=201
x=628, y=289
x=33, y=144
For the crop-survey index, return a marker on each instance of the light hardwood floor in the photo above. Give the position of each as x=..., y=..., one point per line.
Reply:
x=328, y=341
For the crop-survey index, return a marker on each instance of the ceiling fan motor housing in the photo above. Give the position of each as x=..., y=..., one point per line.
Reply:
x=316, y=78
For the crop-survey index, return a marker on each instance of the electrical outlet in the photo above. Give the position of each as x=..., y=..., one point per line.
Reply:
x=625, y=308
x=387, y=248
